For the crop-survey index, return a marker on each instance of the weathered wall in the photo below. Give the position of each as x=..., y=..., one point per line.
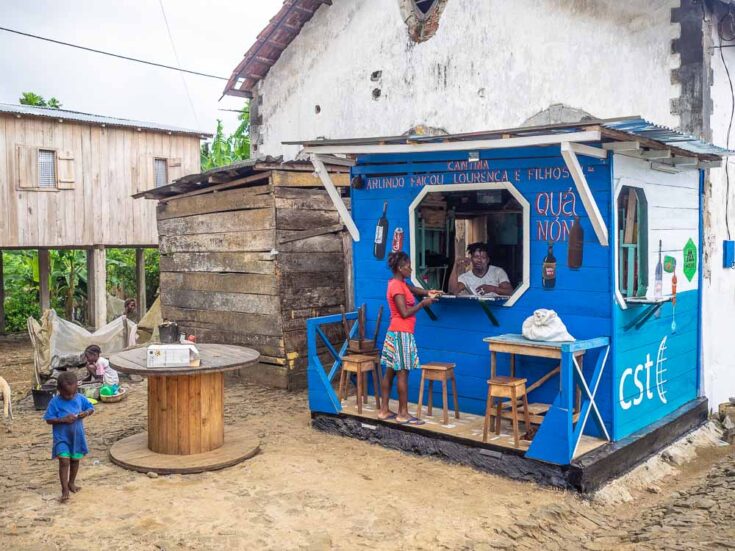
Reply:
x=96, y=207
x=719, y=283
x=608, y=57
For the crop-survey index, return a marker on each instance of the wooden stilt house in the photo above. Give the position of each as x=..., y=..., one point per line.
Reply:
x=248, y=253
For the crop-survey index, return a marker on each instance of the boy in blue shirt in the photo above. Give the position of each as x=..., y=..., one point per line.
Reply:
x=65, y=413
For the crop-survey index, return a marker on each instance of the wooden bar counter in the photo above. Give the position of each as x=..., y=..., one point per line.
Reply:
x=186, y=429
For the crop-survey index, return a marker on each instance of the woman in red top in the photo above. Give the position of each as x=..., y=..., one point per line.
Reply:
x=399, y=349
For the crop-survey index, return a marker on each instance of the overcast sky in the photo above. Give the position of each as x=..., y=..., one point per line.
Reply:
x=210, y=36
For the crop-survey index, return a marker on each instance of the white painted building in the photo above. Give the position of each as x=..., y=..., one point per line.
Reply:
x=359, y=68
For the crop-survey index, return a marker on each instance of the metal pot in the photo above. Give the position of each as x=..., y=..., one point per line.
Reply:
x=169, y=332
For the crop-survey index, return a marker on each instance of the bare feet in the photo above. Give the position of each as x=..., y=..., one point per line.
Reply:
x=74, y=488
x=64, y=497
x=387, y=416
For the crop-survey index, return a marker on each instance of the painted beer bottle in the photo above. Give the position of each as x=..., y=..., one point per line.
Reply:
x=575, y=245
x=381, y=234
x=548, y=269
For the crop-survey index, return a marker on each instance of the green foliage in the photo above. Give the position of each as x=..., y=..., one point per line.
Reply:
x=225, y=150
x=31, y=98
x=68, y=282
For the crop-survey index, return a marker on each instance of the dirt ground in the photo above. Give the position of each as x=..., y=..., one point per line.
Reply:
x=309, y=490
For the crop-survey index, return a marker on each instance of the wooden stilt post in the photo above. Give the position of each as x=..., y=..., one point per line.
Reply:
x=97, y=285
x=43, y=279
x=90, y=288
x=140, y=281
x=2, y=295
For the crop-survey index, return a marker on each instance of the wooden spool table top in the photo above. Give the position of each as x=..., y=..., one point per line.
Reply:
x=186, y=430
x=213, y=358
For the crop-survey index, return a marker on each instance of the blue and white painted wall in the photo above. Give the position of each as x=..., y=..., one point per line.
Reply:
x=653, y=369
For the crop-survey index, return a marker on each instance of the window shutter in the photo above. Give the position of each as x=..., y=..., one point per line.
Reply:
x=175, y=170
x=26, y=169
x=65, y=160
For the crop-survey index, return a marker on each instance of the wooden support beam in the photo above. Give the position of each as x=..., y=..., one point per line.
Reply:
x=2, y=295
x=588, y=151
x=622, y=146
x=654, y=154
x=468, y=145
x=43, y=280
x=140, y=282
x=97, y=285
x=593, y=211
x=344, y=213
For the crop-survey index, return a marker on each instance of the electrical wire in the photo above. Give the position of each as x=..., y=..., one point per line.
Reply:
x=119, y=56
x=178, y=63
x=729, y=126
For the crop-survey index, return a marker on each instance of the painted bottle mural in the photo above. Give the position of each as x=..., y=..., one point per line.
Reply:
x=575, y=245
x=548, y=269
x=381, y=234
x=659, y=280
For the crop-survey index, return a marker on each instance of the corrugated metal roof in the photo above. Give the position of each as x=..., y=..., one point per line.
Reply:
x=270, y=44
x=642, y=128
x=631, y=128
x=63, y=114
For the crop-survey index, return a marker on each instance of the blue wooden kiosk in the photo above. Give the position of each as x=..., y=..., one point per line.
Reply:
x=627, y=286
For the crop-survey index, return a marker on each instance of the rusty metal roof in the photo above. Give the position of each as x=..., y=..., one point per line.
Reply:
x=89, y=118
x=231, y=174
x=270, y=44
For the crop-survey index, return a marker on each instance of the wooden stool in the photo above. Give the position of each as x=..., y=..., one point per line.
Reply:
x=361, y=365
x=513, y=389
x=438, y=371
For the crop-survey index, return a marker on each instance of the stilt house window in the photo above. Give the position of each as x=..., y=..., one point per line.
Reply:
x=161, y=170
x=46, y=168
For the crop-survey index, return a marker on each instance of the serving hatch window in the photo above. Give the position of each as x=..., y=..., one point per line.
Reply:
x=492, y=220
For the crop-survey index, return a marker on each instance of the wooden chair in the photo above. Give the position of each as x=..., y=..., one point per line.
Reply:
x=361, y=365
x=510, y=388
x=438, y=371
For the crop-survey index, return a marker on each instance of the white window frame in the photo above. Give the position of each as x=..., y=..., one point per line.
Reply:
x=517, y=195
x=621, y=183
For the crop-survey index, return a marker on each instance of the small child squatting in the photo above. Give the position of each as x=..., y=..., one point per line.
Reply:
x=65, y=413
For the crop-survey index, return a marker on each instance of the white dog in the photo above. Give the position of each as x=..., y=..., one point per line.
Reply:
x=5, y=391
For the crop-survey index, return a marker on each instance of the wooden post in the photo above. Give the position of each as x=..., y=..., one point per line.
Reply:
x=97, y=285
x=140, y=281
x=2, y=295
x=43, y=279
x=90, y=289
x=349, y=272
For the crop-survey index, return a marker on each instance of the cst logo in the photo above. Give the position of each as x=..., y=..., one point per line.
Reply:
x=638, y=378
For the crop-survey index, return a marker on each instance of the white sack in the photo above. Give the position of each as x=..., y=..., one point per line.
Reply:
x=545, y=325
x=55, y=339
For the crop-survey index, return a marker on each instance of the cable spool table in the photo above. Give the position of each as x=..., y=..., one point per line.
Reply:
x=186, y=429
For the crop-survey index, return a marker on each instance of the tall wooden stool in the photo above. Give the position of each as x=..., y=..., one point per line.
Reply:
x=361, y=365
x=506, y=388
x=438, y=371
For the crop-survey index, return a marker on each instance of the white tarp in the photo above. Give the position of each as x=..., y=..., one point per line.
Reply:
x=56, y=341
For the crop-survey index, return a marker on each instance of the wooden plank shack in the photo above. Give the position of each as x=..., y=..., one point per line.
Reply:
x=248, y=253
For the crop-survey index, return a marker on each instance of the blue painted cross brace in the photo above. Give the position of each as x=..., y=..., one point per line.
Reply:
x=558, y=436
x=322, y=396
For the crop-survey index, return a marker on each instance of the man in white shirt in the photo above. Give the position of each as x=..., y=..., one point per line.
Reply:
x=478, y=277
